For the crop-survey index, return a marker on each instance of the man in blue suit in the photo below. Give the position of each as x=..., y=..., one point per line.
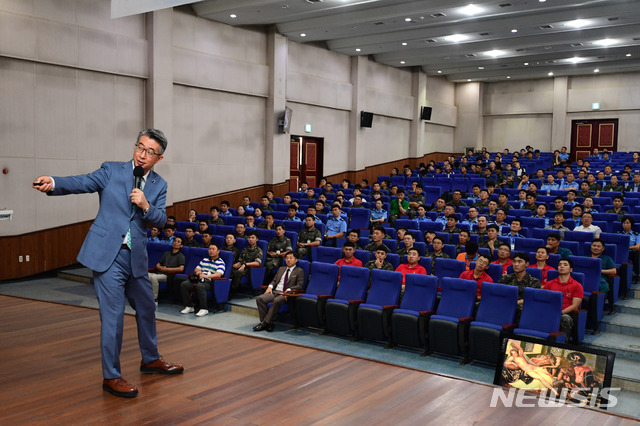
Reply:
x=115, y=250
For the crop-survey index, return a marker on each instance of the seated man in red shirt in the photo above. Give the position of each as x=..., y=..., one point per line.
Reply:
x=478, y=274
x=504, y=257
x=412, y=267
x=572, y=294
x=348, y=250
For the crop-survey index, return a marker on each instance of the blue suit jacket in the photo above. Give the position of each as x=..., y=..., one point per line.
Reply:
x=114, y=182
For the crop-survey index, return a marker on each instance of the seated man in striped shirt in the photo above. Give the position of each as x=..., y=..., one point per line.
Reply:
x=209, y=268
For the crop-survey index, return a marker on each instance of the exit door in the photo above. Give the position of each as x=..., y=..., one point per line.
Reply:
x=586, y=135
x=305, y=161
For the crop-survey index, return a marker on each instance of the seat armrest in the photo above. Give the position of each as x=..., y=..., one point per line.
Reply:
x=356, y=302
x=556, y=334
x=389, y=307
x=426, y=313
x=466, y=319
x=324, y=296
x=509, y=327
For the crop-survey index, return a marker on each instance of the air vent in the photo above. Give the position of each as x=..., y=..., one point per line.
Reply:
x=521, y=50
x=470, y=55
x=379, y=23
x=636, y=38
x=576, y=44
x=550, y=62
x=505, y=5
x=314, y=1
x=484, y=34
x=430, y=40
x=438, y=15
x=613, y=19
x=602, y=57
x=545, y=27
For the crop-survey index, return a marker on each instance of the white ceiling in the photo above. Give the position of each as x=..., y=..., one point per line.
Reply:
x=544, y=40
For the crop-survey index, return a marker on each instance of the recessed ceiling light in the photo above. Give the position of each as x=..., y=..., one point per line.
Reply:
x=358, y=49
x=628, y=55
x=526, y=63
x=404, y=43
x=577, y=23
x=514, y=30
x=402, y=62
x=550, y=74
x=495, y=53
x=471, y=10
x=303, y=35
x=575, y=60
x=407, y=19
x=480, y=68
x=456, y=38
x=468, y=79
x=508, y=76
x=605, y=42
x=233, y=16
x=596, y=70
x=542, y=1
x=439, y=71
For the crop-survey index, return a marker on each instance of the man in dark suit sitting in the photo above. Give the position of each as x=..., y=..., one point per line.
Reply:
x=288, y=279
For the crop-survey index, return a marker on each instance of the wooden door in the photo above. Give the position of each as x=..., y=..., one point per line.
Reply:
x=306, y=161
x=586, y=135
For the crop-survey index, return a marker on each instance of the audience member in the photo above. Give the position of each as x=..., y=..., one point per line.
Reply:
x=171, y=263
x=208, y=269
x=587, y=226
x=380, y=261
x=288, y=279
x=478, y=274
x=504, y=257
x=412, y=266
x=542, y=256
x=277, y=248
x=572, y=295
x=250, y=257
x=308, y=237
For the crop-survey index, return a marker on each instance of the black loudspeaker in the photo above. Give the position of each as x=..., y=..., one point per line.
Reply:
x=425, y=113
x=366, y=119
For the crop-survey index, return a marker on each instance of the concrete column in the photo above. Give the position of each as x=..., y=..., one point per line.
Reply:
x=357, y=135
x=470, y=123
x=159, y=87
x=276, y=168
x=559, y=122
x=416, y=132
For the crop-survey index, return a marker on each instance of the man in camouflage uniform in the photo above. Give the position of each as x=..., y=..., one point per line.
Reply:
x=520, y=278
x=380, y=261
x=230, y=245
x=276, y=250
x=251, y=256
x=376, y=240
x=308, y=237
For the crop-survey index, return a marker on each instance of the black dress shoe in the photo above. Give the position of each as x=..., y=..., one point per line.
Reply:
x=260, y=327
x=270, y=327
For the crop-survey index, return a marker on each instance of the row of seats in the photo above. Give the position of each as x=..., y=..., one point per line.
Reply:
x=370, y=307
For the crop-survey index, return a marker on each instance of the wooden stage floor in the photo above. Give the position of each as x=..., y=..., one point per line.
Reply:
x=51, y=375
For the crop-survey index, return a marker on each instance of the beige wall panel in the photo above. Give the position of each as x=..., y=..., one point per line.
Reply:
x=129, y=115
x=519, y=103
x=56, y=211
x=305, y=88
x=131, y=57
x=18, y=35
x=17, y=115
x=17, y=195
x=55, y=112
x=387, y=140
x=438, y=138
x=318, y=62
x=327, y=123
x=388, y=79
x=517, y=132
x=17, y=6
x=97, y=50
x=56, y=10
x=389, y=104
x=96, y=116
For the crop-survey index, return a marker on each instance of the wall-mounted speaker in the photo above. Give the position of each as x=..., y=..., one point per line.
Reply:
x=366, y=119
x=425, y=113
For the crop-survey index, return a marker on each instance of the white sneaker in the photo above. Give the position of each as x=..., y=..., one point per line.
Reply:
x=202, y=313
x=187, y=310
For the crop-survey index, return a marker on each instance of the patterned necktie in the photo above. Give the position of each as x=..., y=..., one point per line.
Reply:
x=133, y=208
x=286, y=280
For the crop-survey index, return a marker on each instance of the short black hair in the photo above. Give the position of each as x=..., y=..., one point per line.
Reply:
x=157, y=136
x=521, y=255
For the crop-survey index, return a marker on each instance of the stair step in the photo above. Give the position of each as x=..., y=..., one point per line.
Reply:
x=625, y=347
x=626, y=375
x=80, y=274
x=629, y=306
x=245, y=306
x=627, y=324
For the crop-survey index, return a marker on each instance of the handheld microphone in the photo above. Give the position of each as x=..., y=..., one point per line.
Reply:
x=138, y=172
